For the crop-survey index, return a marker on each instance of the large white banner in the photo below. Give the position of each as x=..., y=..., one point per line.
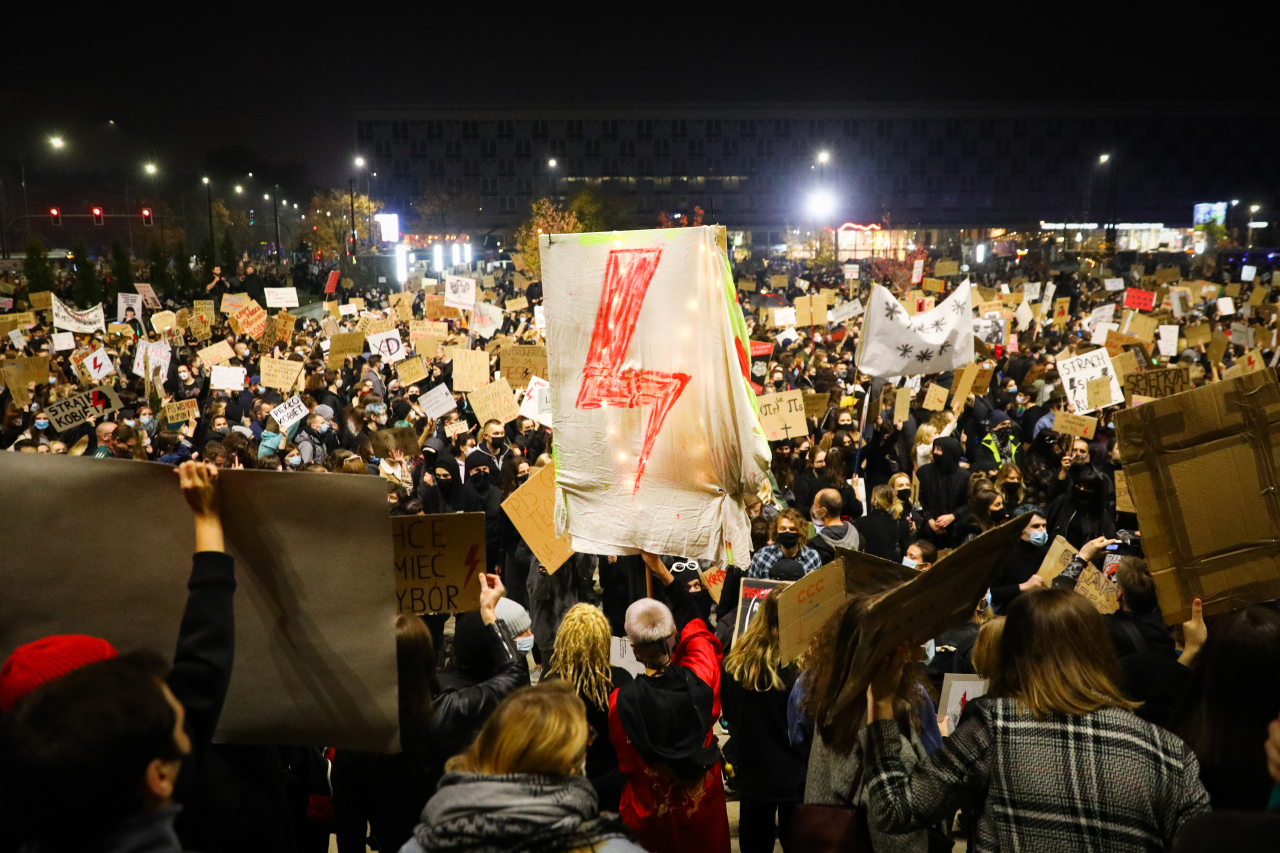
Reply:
x=656, y=431
x=895, y=343
x=83, y=322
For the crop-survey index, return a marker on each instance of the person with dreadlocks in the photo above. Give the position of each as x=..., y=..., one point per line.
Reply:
x=768, y=770
x=660, y=725
x=581, y=657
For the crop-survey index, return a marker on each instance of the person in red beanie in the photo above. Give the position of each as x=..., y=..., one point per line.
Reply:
x=194, y=688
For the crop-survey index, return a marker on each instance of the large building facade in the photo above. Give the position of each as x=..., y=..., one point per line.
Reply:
x=764, y=168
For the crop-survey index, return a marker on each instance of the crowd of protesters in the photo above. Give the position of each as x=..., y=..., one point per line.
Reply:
x=1097, y=732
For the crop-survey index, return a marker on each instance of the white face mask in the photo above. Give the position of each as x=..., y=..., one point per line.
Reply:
x=908, y=562
x=524, y=645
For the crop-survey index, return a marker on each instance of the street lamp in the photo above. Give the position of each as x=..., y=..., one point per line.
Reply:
x=822, y=204
x=823, y=156
x=56, y=141
x=552, y=162
x=239, y=189
x=359, y=162
x=151, y=168
x=1254, y=208
x=1104, y=158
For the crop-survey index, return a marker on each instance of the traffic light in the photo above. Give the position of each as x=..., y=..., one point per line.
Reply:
x=55, y=215
x=251, y=216
x=97, y=216
x=146, y=216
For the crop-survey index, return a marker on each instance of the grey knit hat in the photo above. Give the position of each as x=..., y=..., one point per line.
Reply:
x=512, y=615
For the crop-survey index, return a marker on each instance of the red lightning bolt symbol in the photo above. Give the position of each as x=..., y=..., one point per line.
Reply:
x=627, y=276
x=471, y=564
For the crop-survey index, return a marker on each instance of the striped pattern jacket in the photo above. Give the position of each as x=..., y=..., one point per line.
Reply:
x=1106, y=781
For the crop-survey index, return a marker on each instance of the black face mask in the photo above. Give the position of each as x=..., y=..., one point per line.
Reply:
x=522, y=479
x=779, y=384
x=479, y=481
x=1000, y=514
x=498, y=443
x=904, y=495
x=789, y=540
x=1083, y=497
x=1010, y=491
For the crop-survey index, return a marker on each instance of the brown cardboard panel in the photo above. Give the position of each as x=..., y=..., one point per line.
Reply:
x=531, y=509
x=806, y=605
x=1188, y=457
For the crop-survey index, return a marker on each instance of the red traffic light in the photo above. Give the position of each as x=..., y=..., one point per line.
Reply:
x=53, y=211
x=97, y=216
x=97, y=211
x=55, y=215
x=146, y=216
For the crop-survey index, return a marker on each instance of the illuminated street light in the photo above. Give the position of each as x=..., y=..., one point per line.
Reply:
x=206, y=180
x=239, y=189
x=56, y=141
x=1254, y=208
x=823, y=156
x=359, y=162
x=1104, y=158
x=266, y=196
x=552, y=162
x=1234, y=202
x=822, y=204
x=151, y=168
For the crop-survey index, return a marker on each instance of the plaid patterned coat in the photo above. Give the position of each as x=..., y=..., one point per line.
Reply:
x=1106, y=781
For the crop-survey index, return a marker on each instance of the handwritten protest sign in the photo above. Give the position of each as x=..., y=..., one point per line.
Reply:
x=438, y=560
x=389, y=345
x=494, y=401
x=346, y=344
x=233, y=302
x=470, y=368
x=281, y=297
x=181, y=411
x=815, y=405
x=226, y=378
x=1158, y=383
x=751, y=595
x=806, y=605
x=1099, y=390
x=90, y=320
x=216, y=353
x=279, y=373
x=252, y=319
x=519, y=363
x=1072, y=424
x=459, y=292
x=73, y=411
x=411, y=370
x=782, y=415
x=99, y=364
x=935, y=398
x=437, y=402
x=1077, y=371
x=531, y=509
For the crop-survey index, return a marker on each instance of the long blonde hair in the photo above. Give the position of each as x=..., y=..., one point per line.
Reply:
x=539, y=729
x=886, y=498
x=581, y=654
x=756, y=657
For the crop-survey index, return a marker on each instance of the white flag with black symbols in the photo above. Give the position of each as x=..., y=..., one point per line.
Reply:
x=897, y=344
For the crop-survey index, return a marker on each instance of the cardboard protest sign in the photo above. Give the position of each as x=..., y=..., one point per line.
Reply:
x=1056, y=560
x=404, y=439
x=1078, y=370
x=519, y=363
x=751, y=595
x=456, y=427
x=280, y=373
x=148, y=294
x=99, y=364
x=30, y=368
x=162, y=321
x=91, y=320
x=917, y=611
x=944, y=268
x=470, y=368
x=519, y=303
x=1158, y=383
x=806, y=605
x=1124, y=498
x=537, y=401
x=41, y=300
x=345, y=344
x=199, y=326
x=782, y=415
x=73, y=411
x=1138, y=299
x=811, y=310
x=411, y=371
x=216, y=353
x=251, y=319
x=935, y=398
x=459, y=292
x=1071, y=424
x=867, y=574
x=815, y=405
x=312, y=666
x=1099, y=391
x=531, y=509
x=934, y=285
x=438, y=560
x=962, y=384
x=437, y=402
x=1189, y=456
x=1099, y=589
x=233, y=302
x=226, y=378
x=1061, y=311
x=650, y=423
x=63, y=341
x=181, y=411
x=495, y=401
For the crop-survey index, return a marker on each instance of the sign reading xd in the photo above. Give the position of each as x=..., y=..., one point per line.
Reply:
x=438, y=561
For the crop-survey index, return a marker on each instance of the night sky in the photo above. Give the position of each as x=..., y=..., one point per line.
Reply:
x=284, y=88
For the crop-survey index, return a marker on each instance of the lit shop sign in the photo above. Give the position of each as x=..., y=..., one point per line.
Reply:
x=1258, y=224
x=1093, y=226
x=1209, y=213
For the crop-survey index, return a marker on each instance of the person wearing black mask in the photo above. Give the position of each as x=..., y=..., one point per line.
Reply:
x=444, y=491
x=495, y=450
x=1081, y=514
x=477, y=466
x=944, y=488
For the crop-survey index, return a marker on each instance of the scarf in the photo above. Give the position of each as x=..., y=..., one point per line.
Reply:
x=667, y=718
x=516, y=813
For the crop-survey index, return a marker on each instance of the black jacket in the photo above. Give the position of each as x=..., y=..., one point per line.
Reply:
x=766, y=766
x=883, y=535
x=1024, y=561
x=389, y=791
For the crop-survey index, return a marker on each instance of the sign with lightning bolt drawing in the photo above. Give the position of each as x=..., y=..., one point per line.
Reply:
x=438, y=560
x=657, y=435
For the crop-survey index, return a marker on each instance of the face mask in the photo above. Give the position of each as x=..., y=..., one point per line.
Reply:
x=522, y=479
x=219, y=431
x=778, y=383
x=1081, y=496
x=184, y=376
x=1000, y=514
x=789, y=540
x=1011, y=491
x=42, y=424
x=382, y=419
x=337, y=383
x=146, y=420
x=294, y=461
x=908, y=562
x=323, y=428
x=131, y=422
x=524, y=645
x=497, y=443
x=904, y=495
x=1038, y=537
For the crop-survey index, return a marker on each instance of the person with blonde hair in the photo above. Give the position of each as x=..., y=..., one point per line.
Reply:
x=520, y=787
x=768, y=770
x=581, y=658
x=885, y=532
x=1118, y=783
